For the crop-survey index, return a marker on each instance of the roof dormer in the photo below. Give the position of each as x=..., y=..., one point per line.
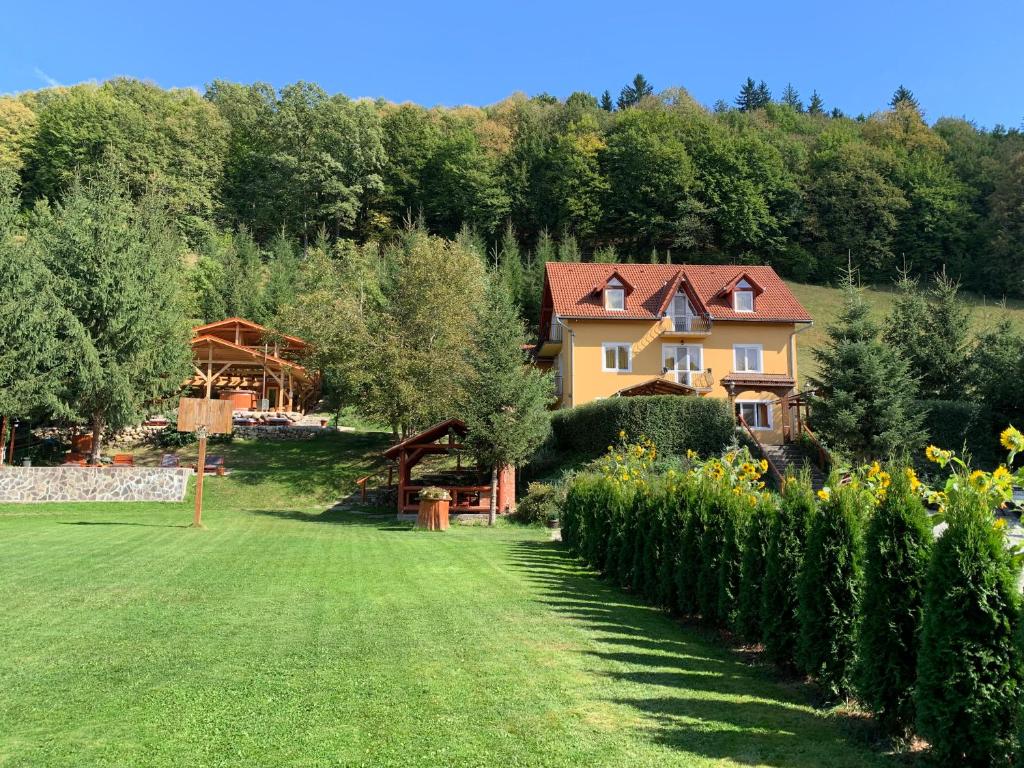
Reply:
x=614, y=291
x=741, y=292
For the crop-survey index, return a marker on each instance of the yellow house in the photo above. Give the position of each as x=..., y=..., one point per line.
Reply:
x=612, y=330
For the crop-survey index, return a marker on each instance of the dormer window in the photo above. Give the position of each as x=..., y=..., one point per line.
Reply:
x=743, y=297
x=615, y=296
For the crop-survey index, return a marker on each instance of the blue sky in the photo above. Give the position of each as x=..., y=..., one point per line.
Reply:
x=960, y=59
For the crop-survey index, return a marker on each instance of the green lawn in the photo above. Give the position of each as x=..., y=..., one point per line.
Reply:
x=283, y=635
x=824, y=304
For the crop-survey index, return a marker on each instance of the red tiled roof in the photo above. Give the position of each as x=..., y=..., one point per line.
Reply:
x=572, y=291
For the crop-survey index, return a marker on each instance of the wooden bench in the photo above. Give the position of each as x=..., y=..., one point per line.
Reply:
x=170, y=461
x=124, y=460
x=214, y=464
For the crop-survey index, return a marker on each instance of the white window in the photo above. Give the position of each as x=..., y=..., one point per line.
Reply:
x=615, y=296
x=747, y=358
x=757, y=413
x=682, y=313
x=618, y=358
x=743, y=297
x=682, y=361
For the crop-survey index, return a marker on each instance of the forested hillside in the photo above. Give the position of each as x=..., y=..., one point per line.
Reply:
x=254, y=176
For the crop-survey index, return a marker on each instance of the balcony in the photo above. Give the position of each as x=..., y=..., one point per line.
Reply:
x=558, y=385
x=699, y=381
x=552, y=345
x=688, y=326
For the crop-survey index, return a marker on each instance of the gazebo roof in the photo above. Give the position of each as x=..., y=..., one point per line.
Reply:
x=656, y=386
x=429, y=435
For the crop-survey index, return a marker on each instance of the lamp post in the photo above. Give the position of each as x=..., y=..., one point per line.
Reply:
x=14, y=431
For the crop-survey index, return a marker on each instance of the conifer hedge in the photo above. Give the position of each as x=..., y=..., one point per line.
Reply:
x=673, y=424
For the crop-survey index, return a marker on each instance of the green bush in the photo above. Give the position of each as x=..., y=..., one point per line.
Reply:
x=541, y=504
x=830, y=589
x=735, y=520
x=710, y=554
x=969, y=673
x=787, y=538
x=688, y=561
x=896, y=549
x=752, y=569
x=673, y=424
x=957, y=423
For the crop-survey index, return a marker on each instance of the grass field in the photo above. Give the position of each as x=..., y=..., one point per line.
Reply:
x=284, y=635
x=824, y=304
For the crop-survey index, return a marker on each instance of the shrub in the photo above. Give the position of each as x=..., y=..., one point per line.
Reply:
x=830, y=588
x=959, y=423
x=969, y=674
x=752, y=569
x=541, y=504
x=787, y=538
x=688, y=562
x=896, y=549
x=735, y=520
x=709, y=545
x=673, y=424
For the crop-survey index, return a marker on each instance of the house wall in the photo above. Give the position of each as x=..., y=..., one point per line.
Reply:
x=583, y=349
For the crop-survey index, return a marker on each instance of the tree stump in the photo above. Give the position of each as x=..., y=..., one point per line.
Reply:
x=433, y=514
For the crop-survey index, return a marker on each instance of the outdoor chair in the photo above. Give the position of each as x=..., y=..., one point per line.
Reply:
x=214, y=464
x=170, y=461
x=124, y=460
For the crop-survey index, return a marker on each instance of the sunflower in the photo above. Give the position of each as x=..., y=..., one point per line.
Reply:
x=978, y=480
x=932, y=453
x=825, y=494
x=1011, y=439
x=912, y=477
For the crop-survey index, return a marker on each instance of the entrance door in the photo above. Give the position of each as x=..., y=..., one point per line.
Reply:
x=681, y=361
x=682, y=313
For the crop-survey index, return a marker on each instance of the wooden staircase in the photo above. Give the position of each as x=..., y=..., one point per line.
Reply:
x=790, y=459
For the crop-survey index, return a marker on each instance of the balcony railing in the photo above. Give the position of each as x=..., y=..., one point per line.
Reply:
x=695, y=324
x=702, y=381
x=558, y=385
x=555, y=332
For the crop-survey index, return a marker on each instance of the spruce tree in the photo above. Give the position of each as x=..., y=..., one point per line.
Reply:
x=897, y=545
x=791, y=98
x=787, y=541
x=568, y=248
x=864, y=402
x=903, y=95
x=606, y=101
x=748, y=97
x=753, y=567
x=764, y=95
x=506, y=404
x=816, y=106
x=969, y=673
x=830, y=589
x=633, y=94
x=117, y=265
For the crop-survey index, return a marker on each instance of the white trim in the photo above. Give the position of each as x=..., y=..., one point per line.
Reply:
x=735, y=358
x=699, y=348
x=604, y=356
x=769, y=410
x=607, y=304
x=736, y=296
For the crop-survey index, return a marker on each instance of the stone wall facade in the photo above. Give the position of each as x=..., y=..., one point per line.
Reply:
x=34, y=484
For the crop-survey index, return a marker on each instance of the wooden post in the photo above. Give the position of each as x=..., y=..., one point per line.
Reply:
x=197, y=517
x=3, y=440
x=209, y=372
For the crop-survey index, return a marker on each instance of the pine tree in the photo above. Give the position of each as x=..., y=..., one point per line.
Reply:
x=606, y=254
x=117, y=265
x=606, y=101
x=969, y=674
x=896, y=550
x=752, y=569
x=764, y=95
x=904, y=96
x=791, y=98
x=41, y=340
x=505, y=408
x=510, y=263
x=864, y=404
x=748, y=98
x=634, y=93
x=787, y=541
x=568, y=249
x=830, y=589
x=932, y=334
x=816, y=106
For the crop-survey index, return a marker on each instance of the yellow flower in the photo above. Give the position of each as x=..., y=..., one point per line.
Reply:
x=875, y=469
x=931, y=453
x=691, y=454
x=1000, y=473
x=764, y=465
x=885, y=479
x=1011, y=439
x=622, y=434
x=825, y=494
x=978, y=480
x=912, y=477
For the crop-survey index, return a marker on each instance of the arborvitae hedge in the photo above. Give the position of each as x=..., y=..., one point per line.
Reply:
x=830, y=589
x=969, y=673
x=688, y=562
x=673, y=424
x=752, y=570
x=735, y=519
x=787, y=539
x=710, y=543
x=896, y=550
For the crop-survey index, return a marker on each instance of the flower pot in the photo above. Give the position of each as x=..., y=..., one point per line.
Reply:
x=323, y=423
x=433, y=514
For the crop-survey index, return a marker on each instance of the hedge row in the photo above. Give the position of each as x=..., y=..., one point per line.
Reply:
x=846, y=589
x=673, y=424
x=960, y=424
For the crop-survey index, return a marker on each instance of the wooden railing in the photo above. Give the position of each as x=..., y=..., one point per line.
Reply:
x=775, y=472
x=363, y=482
x=824, y=459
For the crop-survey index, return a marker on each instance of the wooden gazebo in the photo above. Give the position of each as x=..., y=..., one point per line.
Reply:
x=470, y=489
x=243, y=361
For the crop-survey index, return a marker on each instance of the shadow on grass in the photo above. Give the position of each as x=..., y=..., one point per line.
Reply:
x=103, y=522
x=373, y=517
x=700, y=698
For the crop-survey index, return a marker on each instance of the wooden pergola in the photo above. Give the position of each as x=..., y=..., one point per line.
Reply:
x=237, y=356
x=441, y=439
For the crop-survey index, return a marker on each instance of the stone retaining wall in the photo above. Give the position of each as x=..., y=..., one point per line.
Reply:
x=296, y=432
x=32, y=484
